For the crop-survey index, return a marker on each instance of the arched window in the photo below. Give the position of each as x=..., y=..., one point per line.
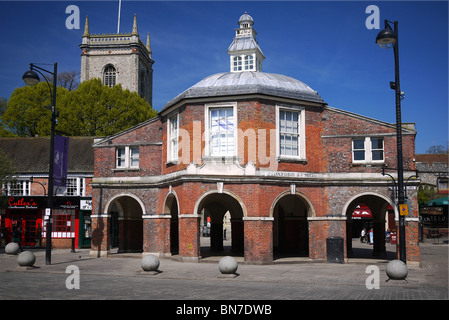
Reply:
x=109, y=76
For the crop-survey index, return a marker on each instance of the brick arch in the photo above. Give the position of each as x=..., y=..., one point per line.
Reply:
x=168, y=201
x=229, y=193
x=310, y=208
x=378, y=204
x=374, y=194
x=126, y=228
x=118, y=196
x=218, y=203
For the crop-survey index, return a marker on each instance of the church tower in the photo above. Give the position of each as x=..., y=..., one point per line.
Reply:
x=244, y=51
x=118, y=59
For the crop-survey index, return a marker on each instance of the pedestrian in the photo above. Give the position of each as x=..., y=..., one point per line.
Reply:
x=362, y=235
x=16, y=236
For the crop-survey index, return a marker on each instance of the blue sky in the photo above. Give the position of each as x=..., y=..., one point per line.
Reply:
x=325, y=44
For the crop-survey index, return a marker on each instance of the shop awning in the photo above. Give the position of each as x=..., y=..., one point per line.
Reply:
x=362, y=211
x=437, y=202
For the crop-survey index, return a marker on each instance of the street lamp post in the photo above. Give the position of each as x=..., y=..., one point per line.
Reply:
x=31, y=78
x=388, y=38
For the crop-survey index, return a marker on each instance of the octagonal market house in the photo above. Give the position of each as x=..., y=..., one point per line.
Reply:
x=258, y=157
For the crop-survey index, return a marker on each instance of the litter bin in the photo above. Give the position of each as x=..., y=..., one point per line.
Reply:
x=335, y=253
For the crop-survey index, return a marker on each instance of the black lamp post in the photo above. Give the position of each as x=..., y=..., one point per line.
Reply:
x=31, y=78
x=386, y=39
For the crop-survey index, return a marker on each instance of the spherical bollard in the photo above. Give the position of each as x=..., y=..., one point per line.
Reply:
x=227, y=265
x=396, y=270
x=150, y=263
x=12, y=248
x=26, y=259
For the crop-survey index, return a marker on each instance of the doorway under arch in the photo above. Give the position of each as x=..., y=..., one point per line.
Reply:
x=171, y=208
x=290, y=226
x=221, y=215
x=126, y=228
x=375, y=244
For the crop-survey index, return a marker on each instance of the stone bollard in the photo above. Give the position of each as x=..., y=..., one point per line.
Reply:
x=228, y=267
x=12, y=248
x=150, y=263
x=26, y=259
x=396, y=270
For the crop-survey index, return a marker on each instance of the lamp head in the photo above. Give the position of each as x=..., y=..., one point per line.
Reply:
x=31, y=78
x=386, y=38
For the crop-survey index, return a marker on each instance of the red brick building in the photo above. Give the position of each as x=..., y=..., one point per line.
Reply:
x=263, y=148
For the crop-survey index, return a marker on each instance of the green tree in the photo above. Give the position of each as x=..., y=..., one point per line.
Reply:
x=93, y=109
x=26, y=114
x=3, y=131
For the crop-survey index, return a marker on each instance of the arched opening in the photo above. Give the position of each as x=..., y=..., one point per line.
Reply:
x=126, y=228
x=221, y=225
x=171, y=208
x=290, y=227
x=370, y=215
x=109, y=76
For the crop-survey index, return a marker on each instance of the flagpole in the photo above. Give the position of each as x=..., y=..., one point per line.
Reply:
x=119, y=9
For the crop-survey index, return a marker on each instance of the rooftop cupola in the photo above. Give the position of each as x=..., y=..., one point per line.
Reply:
x=244, y=51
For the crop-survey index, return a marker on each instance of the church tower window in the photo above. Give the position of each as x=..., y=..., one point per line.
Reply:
x=109, y=76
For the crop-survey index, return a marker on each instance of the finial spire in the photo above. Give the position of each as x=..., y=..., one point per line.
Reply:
x=135, y=25
x=148, y=44
x=86, y=28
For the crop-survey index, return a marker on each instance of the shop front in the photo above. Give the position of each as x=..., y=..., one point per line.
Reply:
x=24, y=220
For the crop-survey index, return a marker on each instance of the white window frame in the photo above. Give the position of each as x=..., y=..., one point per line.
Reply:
x=207, y=109
x=127, y=157
x=249, y=64
x=18, y=187
x=237, y=63
x=368, y=150
x=301, y=133
x=76, y=186
x=172, y=139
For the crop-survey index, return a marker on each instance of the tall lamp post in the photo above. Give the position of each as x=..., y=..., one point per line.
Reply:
x=31, y=78
x=386, y=39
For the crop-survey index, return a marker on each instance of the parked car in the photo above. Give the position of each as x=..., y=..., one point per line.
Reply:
x=206, y=231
